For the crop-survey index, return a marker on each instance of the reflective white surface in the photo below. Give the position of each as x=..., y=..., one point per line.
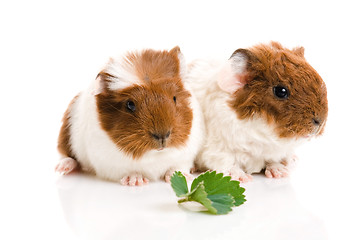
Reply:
x=50, y=50
x=95, y=209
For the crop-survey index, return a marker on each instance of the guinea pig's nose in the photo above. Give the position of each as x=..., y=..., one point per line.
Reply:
x=161, y=139
x=316, y=121
x=159, y=136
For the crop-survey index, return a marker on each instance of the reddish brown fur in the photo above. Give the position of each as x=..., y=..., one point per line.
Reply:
x=64, y=146
x=155, y=64
x=156, y=111
x=271, y=65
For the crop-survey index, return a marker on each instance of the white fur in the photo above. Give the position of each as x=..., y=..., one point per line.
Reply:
x=182, y=65
x=123, y=71
x=232, y=144
x=96, y=152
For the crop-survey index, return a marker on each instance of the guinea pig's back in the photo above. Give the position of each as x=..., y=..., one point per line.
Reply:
x=201, y=76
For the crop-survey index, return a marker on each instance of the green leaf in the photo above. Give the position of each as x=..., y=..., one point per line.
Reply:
x=199, y=195
x=217, y=184
x=179, y=184
x=217, y=193
x=222, y=202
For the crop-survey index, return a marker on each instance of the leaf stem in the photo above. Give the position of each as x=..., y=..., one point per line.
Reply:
x=183, y=200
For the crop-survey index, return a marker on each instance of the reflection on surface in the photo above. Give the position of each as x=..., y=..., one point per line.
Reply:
x=97, y=209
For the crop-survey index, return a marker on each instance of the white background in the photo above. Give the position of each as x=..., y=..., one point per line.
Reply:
x=51, y=50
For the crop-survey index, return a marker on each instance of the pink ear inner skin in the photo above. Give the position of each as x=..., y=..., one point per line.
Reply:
x=230, y=82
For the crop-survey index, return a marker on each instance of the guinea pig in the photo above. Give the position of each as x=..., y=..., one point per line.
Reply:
x=257, y=106
x=137, y=122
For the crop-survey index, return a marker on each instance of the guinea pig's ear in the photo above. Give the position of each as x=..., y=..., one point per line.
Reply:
x=299, y=51
x=100, y=84
x=233, y=75
x=182, y=63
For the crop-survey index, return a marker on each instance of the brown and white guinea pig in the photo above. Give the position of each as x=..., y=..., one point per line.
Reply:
x=258, y=106
x=138, y=121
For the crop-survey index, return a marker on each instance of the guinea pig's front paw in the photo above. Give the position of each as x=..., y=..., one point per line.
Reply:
x=236, y=173
x=66, y=165
x=276, y=170
x=169, y=174
x=134, y=179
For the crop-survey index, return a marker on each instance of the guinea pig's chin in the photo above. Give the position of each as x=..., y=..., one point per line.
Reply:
x=159, y=150
x=308, y=137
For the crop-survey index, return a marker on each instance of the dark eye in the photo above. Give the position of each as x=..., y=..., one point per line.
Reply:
x=281, y=92
x=175, y=99
x=130, y=106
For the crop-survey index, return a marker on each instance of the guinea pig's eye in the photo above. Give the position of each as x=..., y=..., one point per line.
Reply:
x=281, y=92
x=175, y=99
x=130, y=106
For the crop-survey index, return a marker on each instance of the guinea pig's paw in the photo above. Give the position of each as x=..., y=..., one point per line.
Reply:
x=276, y=170
x=194, y=170
x=239, y=175
x=169, y=174
x=134, y=179
x=242, y=177
x=290, y=162
x=66, y=165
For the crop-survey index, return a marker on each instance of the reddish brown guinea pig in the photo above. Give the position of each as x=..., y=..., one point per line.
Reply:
x=137, y=122
x=258, y=106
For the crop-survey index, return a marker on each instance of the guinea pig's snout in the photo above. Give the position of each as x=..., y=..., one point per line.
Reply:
x=161, y=138
x=318, y=124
